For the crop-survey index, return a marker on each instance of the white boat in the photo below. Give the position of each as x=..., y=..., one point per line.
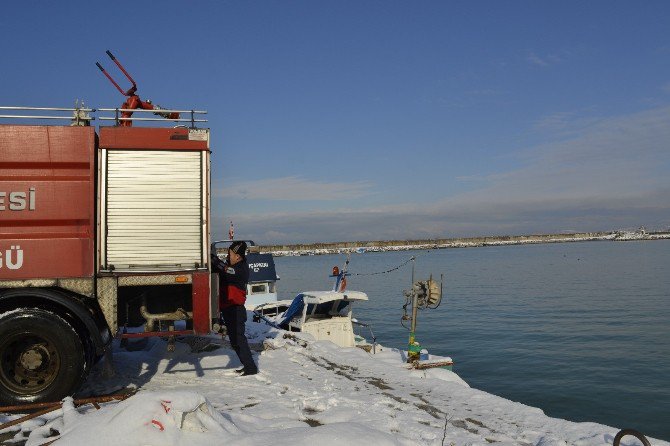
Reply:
x=326, y=315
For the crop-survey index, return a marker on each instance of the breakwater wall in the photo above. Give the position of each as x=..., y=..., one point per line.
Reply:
x=467, y=242
x=393, y=245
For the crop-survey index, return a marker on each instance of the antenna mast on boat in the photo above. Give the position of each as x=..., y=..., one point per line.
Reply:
x=341, y=276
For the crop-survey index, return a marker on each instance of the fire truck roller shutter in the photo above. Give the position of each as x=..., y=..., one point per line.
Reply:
x=154, y=210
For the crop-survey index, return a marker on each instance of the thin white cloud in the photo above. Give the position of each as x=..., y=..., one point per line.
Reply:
x=484, y=92
x=554, y=121
x=610, y=173
x=536, y=60
x=610, y=157
x=460, y=219
x=471, y=178
x=295, y=188
x=565, y=124
x=543, y=61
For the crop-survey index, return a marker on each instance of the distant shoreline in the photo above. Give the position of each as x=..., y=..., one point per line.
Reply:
x=470, y=242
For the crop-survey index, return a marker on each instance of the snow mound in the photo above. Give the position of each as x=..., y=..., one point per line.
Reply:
x=445, y=375
x=188, y=418
x=175, y=417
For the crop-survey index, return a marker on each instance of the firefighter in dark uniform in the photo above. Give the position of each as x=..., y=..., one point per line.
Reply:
x=233, y=278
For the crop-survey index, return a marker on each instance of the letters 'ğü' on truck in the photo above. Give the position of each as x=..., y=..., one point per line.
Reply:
x=98, y=230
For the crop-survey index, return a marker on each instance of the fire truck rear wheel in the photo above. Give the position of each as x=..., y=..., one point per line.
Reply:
x=41, y=357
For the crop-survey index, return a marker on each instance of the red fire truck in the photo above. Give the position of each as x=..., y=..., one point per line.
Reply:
x=98, y=230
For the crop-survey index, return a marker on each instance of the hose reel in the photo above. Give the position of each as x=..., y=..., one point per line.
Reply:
x=428, y=293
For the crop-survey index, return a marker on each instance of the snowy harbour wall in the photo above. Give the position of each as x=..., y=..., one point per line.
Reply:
x=470, y=242
x=307, y=392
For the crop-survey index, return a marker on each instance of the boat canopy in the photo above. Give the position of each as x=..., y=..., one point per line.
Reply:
x=261, y=268
x=319, y=297
x=320, y=302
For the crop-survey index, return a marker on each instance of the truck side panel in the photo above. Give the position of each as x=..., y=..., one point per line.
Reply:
x=202, y=303
x=46, y=201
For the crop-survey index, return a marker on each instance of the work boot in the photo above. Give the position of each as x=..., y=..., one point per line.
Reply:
x=249, y=372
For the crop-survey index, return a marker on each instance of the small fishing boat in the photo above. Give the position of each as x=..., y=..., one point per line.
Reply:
x=326, y=315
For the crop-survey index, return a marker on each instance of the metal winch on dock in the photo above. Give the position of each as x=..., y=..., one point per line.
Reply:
x=422, y=295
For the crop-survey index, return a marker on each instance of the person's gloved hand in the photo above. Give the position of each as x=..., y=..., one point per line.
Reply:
x=215, y=261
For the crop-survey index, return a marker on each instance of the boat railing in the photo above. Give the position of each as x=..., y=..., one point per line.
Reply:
x=372, y=334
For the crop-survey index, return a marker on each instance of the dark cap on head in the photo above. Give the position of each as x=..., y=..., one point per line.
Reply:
x=239, y=248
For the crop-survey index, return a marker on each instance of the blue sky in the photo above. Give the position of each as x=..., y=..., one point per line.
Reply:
x=368, y=120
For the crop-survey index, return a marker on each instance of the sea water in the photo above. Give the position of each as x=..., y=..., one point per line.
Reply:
x=580, y=330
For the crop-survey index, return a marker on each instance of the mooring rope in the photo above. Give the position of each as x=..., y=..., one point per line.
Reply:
x=387, y=271
x=369, y=274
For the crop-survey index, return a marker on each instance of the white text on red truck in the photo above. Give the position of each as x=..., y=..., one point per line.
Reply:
x=9, y=260
x=17, y=201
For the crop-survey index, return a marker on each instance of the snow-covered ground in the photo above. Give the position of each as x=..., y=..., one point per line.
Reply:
x=307, y=393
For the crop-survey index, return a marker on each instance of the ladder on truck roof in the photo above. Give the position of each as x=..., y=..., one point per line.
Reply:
x=82, y=116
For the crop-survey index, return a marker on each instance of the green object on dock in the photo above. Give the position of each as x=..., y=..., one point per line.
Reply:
x=413, y=349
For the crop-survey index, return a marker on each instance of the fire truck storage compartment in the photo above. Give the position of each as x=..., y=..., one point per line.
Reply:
x=157, y=300
x=46, y=201
x=153, y=199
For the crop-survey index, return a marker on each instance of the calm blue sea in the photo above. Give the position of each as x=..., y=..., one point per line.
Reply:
x=580, y=330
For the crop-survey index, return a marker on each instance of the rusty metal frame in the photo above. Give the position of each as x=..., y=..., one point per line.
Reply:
x=51, y=406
